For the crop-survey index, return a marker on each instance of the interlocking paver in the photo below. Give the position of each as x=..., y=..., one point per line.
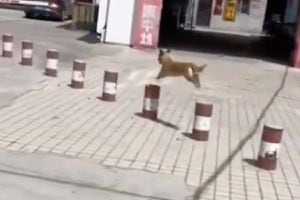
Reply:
x=69, y=122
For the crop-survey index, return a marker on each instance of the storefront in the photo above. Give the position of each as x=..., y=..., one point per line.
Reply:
x=137, y=22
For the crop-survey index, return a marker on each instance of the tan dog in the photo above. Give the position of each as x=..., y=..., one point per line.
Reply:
x=189, y=71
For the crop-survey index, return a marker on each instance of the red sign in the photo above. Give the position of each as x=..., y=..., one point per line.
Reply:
x=218, y=7
x=147, y=21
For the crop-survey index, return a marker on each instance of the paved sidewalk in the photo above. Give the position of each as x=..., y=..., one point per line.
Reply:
x=16, y=81
x=74, y=123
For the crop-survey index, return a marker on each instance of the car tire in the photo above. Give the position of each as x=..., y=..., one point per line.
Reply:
x=28, y=15
x=62, y=16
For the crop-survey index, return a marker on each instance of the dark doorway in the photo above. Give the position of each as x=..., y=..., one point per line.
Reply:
x=170, y=17
x=275, y=47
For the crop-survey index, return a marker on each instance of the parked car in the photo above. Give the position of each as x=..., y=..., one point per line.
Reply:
x=59, y=9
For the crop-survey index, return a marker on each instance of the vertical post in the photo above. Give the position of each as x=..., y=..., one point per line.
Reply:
x=110, y=86
x=27, y=53
x=151, y=101
x=52, y=63
x=269, y=148
x=203, y=113
x=78, y=75
x=7, y=46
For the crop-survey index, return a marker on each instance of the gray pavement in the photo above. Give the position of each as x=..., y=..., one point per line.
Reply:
x=77, y=127
x=16, y=80
x=42, y=176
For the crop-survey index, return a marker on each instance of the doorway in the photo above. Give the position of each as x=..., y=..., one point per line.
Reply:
x=203, y=12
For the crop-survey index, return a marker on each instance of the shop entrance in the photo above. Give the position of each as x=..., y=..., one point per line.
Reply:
x=276, y=42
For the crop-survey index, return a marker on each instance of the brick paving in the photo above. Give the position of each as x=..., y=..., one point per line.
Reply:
x=61, y=120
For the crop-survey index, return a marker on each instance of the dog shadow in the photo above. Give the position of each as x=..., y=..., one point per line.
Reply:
x=100, y=98
x=160, y=121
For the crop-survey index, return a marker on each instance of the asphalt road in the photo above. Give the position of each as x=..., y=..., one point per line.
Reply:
x=16, y=80
x=52, y=34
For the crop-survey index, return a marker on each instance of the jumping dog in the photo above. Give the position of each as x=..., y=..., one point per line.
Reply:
x=172, y=68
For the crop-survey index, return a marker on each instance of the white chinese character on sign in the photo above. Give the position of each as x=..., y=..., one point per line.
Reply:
x=149, y=11
x=148, y=17
x=146, y=38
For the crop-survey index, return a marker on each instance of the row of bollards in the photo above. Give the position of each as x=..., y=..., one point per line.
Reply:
x=27, y=49
x=52, y=56
x=271, y=136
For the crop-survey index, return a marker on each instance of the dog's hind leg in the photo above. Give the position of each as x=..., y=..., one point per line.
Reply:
x=194, y=79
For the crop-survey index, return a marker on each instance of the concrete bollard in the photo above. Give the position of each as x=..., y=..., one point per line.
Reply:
x=269, y=148
x=7, y=45
x=27, y=53
x=52, y=63
x=110, y=86
x=78, y=74
x=201, y=127
x=151, y=101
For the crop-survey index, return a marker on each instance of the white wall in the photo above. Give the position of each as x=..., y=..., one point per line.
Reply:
x=120, y=18
x=102, y=17
x=251, y=23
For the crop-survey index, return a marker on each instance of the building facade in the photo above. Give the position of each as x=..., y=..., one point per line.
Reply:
x=137, y=22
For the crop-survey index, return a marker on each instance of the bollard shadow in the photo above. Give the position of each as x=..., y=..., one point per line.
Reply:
x=250, y=161
x=75, y=88
x=23, y=65
x=188, y=135
x=160, y=121
x=48, y=76
x=102, y=99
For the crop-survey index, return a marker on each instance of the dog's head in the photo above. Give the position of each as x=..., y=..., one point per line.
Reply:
x=164, y=56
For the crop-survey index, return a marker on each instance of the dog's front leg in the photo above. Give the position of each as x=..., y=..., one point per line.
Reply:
x=196, y=80
x=160, y=75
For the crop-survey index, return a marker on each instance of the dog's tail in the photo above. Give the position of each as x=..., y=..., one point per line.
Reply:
x=201, y=68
